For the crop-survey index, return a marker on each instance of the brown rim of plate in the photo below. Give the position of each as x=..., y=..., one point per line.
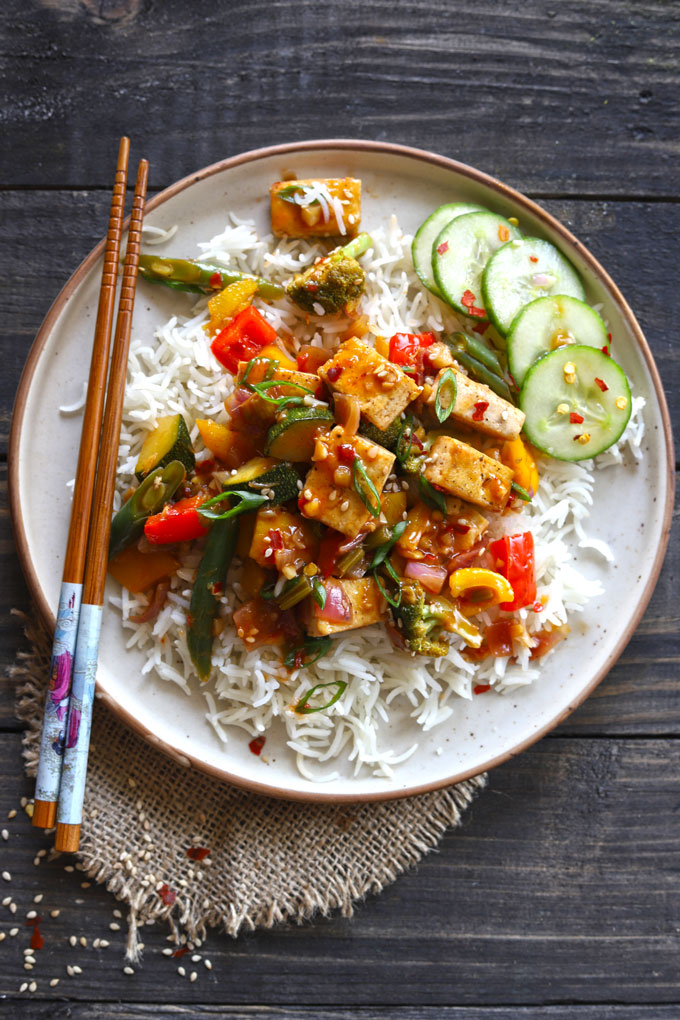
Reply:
x=507, y=194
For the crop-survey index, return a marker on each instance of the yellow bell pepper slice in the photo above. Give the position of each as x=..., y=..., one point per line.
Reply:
x=461, y=626
x=273, y=353
x=492, y=588
x=138, y=571
x=228, y=303
x=516, y=455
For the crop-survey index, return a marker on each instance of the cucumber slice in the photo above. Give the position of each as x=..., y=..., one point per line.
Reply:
x=460, y=253
x=266, y=473
x=421, y=249
x=548, y=323
x=294, y=437
x=169, y=441
x=520, y=273
x=554, y=399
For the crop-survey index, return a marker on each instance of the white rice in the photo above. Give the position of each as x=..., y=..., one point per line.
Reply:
x=250, y=690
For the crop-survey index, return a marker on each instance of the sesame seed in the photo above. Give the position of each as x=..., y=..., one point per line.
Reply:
x=28, y=966
x=13, y=932
x=54, y=982
x=7, y=877
x=83, y=941
x=31, y=914
x=114, y=927
x=5, y=834
x=23, y=986
x=128, y=970
x=193, y=976
x=7, y=900
x=36, y=861
x=42, y=853
x=85, y=885
x=30, y=959
x=2, y=936
x=104, y=943
x=196, y=957
x=72, y=940
x=77, y=970
x=69, y=970
x=344, y=506
x=23, y=801
x=167, y=951
x=12, y=813
x=117, y=913
x=69, y=868
x=12, y=908
x=55, y=913
x=33, y=987
x=207, y=964
x=181, y=971
x=132, y=782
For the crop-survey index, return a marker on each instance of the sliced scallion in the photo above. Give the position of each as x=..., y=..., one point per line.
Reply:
x=382, y=551
x=431, y=496
x=304, y=708
x=447, y=385
x=247, y=501
x=522, y=493
x=365, y=488
x=314, y=647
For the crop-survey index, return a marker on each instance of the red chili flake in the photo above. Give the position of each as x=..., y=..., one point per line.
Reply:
x=510, y=377
x=602, y=384
x=481, y=327
x=312, y=287
x=460, y=529
x=167, y=894
x=468, y=299
x=481, y=688
x=576, y=438
x=198, y=853
x=538, y=607
x=443, y=247
x=346, y=453
x=334, y=373
x=256, y=745
x=217, y=588
x=576, y=419
x=275, y=539
x=34, y=921
x=37, y=941
x=299, y=659
x=204, y=467
x=180, y=952
x=215, y=280
x=533, y=258
x=609, y=337
x=480, y=408
x=605, y=350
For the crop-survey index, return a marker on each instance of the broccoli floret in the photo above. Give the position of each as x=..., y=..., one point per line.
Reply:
x=335, y=282
x=419, y=617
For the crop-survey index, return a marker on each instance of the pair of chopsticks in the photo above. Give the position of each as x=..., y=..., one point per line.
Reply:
x=60, y=784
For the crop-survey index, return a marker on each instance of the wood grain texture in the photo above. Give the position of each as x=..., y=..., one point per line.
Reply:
x=554, y=97
x=50, y=1010
x=543, y=897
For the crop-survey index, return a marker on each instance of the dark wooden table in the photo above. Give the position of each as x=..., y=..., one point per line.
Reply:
x=559, y=897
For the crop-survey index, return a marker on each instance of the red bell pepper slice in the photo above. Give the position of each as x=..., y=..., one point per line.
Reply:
x=516, y=556
x=329, y=552
x=244, y=337
x=405, y=346
x=177, y=522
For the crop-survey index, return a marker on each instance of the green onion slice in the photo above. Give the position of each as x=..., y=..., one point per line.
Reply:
x=395, y=603
x=249, y=367
x=315, y=647
x=319, y=593
x=402, y=456
x=522, y=493
x=304, y=708
x=365, y=488
x=431, y=496
x=447, y=385
x=247, y=501
x=382, y=550
x=289, y=193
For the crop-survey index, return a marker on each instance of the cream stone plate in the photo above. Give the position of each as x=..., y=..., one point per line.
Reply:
x=632, y=506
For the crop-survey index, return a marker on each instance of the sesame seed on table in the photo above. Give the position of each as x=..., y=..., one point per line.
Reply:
x=561, y=885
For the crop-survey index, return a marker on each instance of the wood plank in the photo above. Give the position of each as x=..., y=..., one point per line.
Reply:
x=560, y=887
x=556, y=98
x=45, y=1010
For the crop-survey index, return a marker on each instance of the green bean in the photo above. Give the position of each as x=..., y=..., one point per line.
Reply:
x=199, y=277
x=297, y=589
x=482, y=374
x=149, y=498
x=476, y=348
x=348, y=561
x=212, y=572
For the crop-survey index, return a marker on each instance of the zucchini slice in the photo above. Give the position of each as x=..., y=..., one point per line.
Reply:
x=548, y=323
x=519, y=273
x=266, y=473
x=421, y=248
x=293, y=437
x=577, y=402
x=169, y=441
x=388, y=438
x=460, y=254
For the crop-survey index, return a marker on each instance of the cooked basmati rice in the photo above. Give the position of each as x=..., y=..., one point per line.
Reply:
x=250, y=690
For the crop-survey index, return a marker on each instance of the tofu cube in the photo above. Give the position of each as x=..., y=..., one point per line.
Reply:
x=282, y=539
x=382, y=389
x=498, y=418
x=363, y=599
x=329, y=494
x=329, y=207
x=463, y=471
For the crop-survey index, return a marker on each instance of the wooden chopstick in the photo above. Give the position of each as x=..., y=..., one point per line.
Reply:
x=72, y=789
x=63, y=648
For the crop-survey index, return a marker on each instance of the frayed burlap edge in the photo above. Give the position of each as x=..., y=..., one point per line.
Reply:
x=270, y=861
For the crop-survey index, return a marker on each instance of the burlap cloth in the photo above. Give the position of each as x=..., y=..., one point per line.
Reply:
x=270, y=860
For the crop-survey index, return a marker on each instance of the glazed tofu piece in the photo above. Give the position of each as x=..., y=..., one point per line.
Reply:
x=462, y=471
x=478, y=407
x=282, y=539
x=316, y=207
x=360, y=599
x=329, y=494
x=382, y=388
